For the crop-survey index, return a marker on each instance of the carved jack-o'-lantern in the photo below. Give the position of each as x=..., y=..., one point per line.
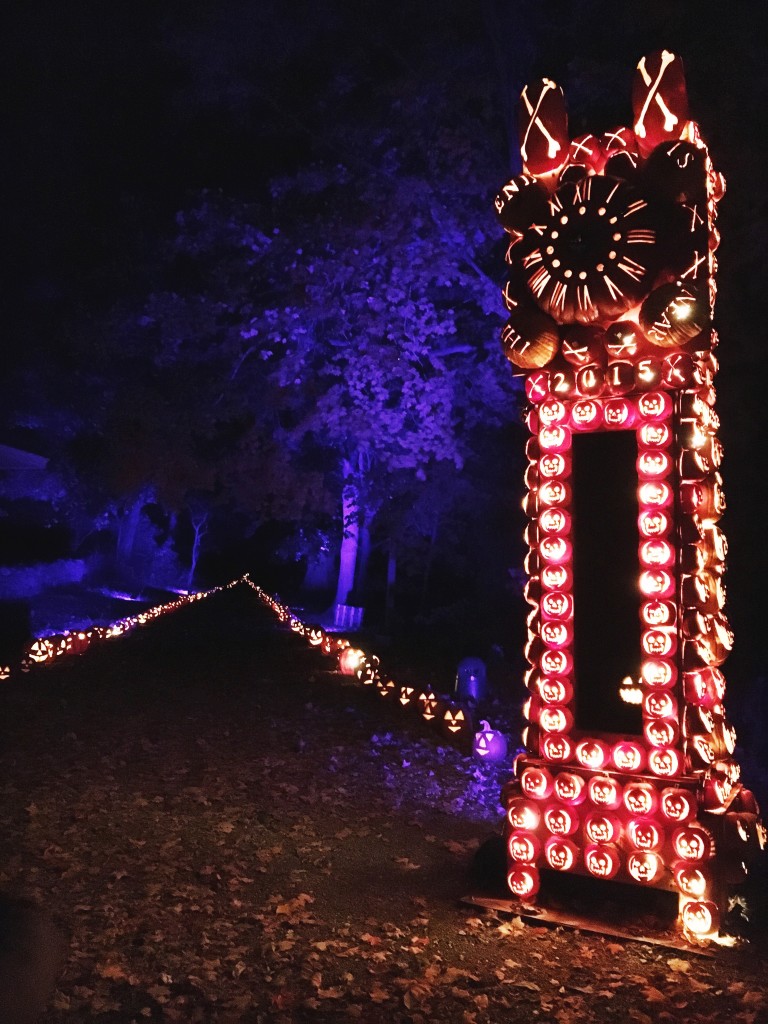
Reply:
x=553, y=719
x=523, y=814
x=604, y=792
x=350, y=660
x=556, y=747
x=645, y=835
x=665, y=762
x=523, y=881
x=41, y=650
x=536, y=782
x=570, y=788
x=554, y=690
x=523, y=846
x=560, y=821
x=560, y=853
x=430, y=705
x=628, y=756
x=692, y=843
x=677, y=805
x=490, y=745
x=408, y=695
x=644, y=866
x=602, y=861
x=640, y=798
x=602, y=827
x=700, y=917
x=593, y=753
x=457, y=724
x=692, y=880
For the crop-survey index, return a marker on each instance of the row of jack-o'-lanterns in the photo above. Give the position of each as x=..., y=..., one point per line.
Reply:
x=454, y=720
x=46, y=650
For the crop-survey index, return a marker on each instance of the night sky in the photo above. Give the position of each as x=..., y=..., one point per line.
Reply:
x=117, y=113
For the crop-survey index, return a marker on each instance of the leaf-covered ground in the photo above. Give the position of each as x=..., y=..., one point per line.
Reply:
x=230, y=835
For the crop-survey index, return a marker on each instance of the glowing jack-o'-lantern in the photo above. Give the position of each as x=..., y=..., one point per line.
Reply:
x=41, y=650
x=655, y=493
x=407, y=696
x=523, y=847
x=640, y=798
x=645, y=835
x=560, y=853
x=692, y=880
x=554, y=719
x=585, y=414
x=536, y=782
x=628, y=756
x=556, y=634
x=570, y=788
x=457, y=724
x=602, y=860
x=644, y=866
x=660, y=704
x=660, y=642
x=555, y=691
x=385, y=686
x=660, y=732
x=555, y=577
x=315, y=636
x=554, y=492
x=665, y=762
x=555, y=662
x=552, y=411
x=655, y=405
x=556, y=605
x=692, y=843
x=560, y=821
x=602, y=828
x=555, y=549
x=490, y=745
x=554, y=520
x=523, y=881
x=556, y=747
x=656, y=672
x=350, y=660
x=700, y=917
x=555, y=438
x=677, y=805
x=604, y=792
x=593, y=753
x=430, y=704
x=523, y=814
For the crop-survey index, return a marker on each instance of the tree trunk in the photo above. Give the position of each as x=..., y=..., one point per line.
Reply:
x=389, y=601
x=428, y=566
x=350, y=534
x=200, y=526
x=128, y=530
x=363, y=554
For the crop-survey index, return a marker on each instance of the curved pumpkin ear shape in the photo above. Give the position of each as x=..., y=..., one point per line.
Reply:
x=659, y=100
x=543, y=124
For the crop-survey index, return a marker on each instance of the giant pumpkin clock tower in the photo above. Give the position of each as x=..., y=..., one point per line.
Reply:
x=628, y=770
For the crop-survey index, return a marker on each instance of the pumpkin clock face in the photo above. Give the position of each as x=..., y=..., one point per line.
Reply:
x=595, y=255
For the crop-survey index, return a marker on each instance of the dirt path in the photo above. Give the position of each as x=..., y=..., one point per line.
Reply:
x=230, y=840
